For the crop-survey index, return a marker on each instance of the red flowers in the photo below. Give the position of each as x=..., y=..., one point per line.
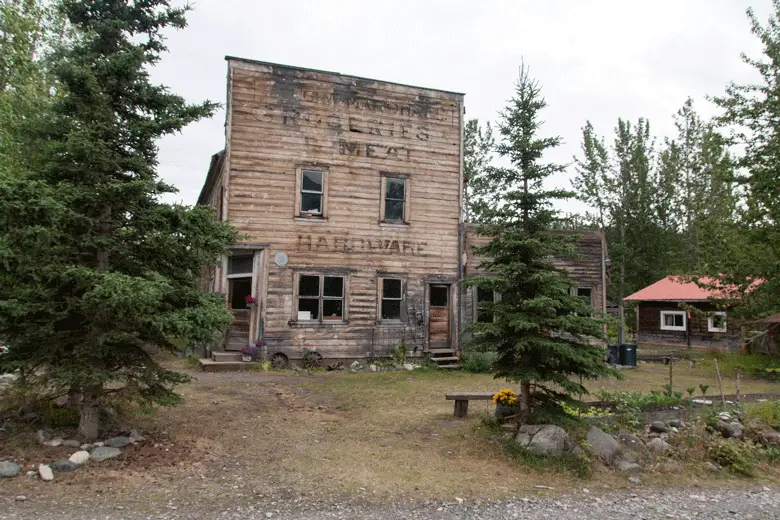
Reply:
x=250, y=299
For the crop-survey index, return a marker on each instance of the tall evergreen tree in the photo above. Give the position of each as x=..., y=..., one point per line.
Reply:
x=478, y=144
x=752, y=112
x=95, y=272
x=540, y=328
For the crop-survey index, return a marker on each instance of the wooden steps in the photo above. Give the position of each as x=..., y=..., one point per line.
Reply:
x=445, y=358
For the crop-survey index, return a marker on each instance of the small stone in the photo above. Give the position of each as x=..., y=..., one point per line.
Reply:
x=54, y=442
x=673, y=429
x=372, y=368
x=71, y=443
x=630, y=468
x=118, y=442
x=20, y=498
x=101, y=453
x=45, y=472
x=354, y=364
x=408, y=366
x=635, y=480
x=709, y=466
x=86, y=447
x=269, y=515
x=658, y=427
x=9, y=469
x=99, y=444
x=675, y=423
x=658, y=446
x=42, y=436
x=64, y=466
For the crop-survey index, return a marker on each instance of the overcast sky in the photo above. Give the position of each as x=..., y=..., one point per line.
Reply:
x=595, y=59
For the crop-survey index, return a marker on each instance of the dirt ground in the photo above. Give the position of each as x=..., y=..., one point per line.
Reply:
x=251, y=437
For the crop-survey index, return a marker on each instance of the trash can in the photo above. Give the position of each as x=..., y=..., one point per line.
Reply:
x=627, y=355
x=614, y=353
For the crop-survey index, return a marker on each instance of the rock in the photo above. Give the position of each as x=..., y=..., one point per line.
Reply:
x=8, y=427
x=709, y=466
x=109, y=412
x=602, y=445
x=42, y=436
x=102, y=453
x=635, y=480
x=136, y=437
x=372, y=368
x=54, y=442
x=354, y=364
x=673, y=429
x=31, y=418
x=702, y=401
x=64, y=466
x=658, y=427
x=118, y=442
x=724, y=416
x=45, y=472
x=71, y=443
x=629, y=468
x=770, y=438
x=658, y=446
x=8, y=469
x=408, y=366
x=546, y=440
x=20, y=498
x=99, y=444
x=631, y=442
x=731, y=430
x=80, y=457
x=676, y=423
x=671, y=467
x=85, y=447
x=628, y=457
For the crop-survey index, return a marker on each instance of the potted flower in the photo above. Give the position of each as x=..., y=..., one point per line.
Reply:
x=249, y=353
x=250, y=300
x=506, y=403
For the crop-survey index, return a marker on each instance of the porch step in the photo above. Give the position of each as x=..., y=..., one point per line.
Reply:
x=447, y=358
x=435, y=351
x=209, y=365
x=449, y=367
x=226, y=356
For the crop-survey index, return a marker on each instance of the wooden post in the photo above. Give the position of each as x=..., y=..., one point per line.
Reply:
x=461, y=408
x=671, y=380
x=720, y=384
x=738, y=386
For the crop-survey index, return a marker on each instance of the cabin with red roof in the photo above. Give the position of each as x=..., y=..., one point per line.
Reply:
x=677, y=312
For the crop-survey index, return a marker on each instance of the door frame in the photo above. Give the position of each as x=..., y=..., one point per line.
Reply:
x=259, y=283
x=450, y=307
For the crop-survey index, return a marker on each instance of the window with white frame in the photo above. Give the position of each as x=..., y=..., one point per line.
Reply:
x=673, y=320
x=311, y=194
x=391, y=299
x=320, y=297
x=716, y=322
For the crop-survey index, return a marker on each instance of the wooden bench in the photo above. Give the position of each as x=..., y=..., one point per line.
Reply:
x=462, y=400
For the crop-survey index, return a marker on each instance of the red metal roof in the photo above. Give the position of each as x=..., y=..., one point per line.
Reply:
x=674, y=288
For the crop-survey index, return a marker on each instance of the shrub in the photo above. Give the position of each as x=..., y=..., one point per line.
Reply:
x=478, y=362
x=399, y=354
x=768, y=413
x=57, y=417
x=739, y=456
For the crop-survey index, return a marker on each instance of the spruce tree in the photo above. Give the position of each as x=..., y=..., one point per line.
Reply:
x=96, y=272
x=540, y=329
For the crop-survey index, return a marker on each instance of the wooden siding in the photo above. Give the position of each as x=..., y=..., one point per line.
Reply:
x=282, y=118
x=649, y=327
x=589, y=270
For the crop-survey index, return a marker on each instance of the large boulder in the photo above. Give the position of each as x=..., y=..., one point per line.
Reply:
x=658, y=445
x=8, y=469
x=547, y=440
x=102, y=453
x=630, y=442
x=603, y=445
x=770, y=437
x=732, y=430
x=658, y=427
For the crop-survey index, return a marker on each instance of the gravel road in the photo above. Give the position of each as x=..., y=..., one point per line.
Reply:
x=759, y=503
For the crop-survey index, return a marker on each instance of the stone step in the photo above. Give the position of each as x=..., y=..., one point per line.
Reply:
x=226, y=356
x=449, y=367
x=209, y=365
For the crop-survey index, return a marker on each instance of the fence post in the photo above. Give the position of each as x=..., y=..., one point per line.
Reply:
x=720, y=384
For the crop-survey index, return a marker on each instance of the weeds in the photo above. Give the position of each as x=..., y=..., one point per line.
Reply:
x=739, y=456
x=768, y=413
x=478, y=362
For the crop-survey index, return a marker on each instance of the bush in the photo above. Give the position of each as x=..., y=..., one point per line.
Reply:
x=768, y=413
x=56, y=417
x=739, y=456
x=478, y=362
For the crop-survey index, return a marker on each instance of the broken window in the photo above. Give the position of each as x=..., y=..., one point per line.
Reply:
x=311, y=192
x=392, y=295
x=484, y=298
x=395, y=199
x=320, y=297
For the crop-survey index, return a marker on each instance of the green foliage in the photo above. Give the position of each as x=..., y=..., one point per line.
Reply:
x=96, y=272
x=56, y=417
x=739, y=456
x=540, y=328
x=639, y=401
x=768, y=413
x=577, y=464
x=478, y=192
x=753, y=365
x=703, y=389
x=691, y=391
x=399, y=354
x=478, y=362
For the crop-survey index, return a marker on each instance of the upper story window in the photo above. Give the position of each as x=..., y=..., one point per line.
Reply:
x=394, y=206
x=311, y=194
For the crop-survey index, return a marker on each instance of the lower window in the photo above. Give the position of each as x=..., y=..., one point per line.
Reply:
x=392, y=296
x=483, y=298
x=673, y=320
x=320, y=297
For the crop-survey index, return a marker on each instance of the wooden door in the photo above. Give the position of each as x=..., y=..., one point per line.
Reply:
x=439, y=316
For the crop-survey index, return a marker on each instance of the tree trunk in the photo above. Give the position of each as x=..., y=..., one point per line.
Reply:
x=89, y=421
x=74, y=399
x=525, y=403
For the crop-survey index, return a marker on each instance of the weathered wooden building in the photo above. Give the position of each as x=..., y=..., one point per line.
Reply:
x=348, y=193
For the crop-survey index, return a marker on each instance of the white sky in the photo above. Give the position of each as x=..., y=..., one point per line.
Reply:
x=595, y=59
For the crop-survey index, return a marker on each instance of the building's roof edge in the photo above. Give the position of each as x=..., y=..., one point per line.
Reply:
x=271, y=64
x=214, y=167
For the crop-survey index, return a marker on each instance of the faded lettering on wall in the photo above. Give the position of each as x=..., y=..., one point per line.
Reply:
x=313, y=243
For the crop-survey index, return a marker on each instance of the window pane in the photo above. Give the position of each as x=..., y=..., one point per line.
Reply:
x=332, y=309
x=309, y=286
x=239, y=264
x=484, y=295
x=311, y=203
x=678, y=320
x=239, y=288
x=585, y=293
x=310, y=305
x=333, y=286
x=395, y=189
x=439, y=295
x=391, y=309
x=394, y=210
x=391, y=288
x=718, y=321
x=312, y=181
x=484, y=316
x=668, y=320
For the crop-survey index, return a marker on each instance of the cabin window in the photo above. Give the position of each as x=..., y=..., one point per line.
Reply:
x=673, y=320
x=483, y=296
x=311, y=193
x=586, y=293
x=320, y=297
x=395, y=199
x=717, y=322
x=392, y=296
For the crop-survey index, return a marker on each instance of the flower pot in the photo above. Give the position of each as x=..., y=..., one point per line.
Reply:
x=503, y=411
x=246, y=358
x=251, y=305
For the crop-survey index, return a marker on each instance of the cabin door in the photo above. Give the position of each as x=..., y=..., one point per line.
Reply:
x=438, y=316
x=239, y=284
